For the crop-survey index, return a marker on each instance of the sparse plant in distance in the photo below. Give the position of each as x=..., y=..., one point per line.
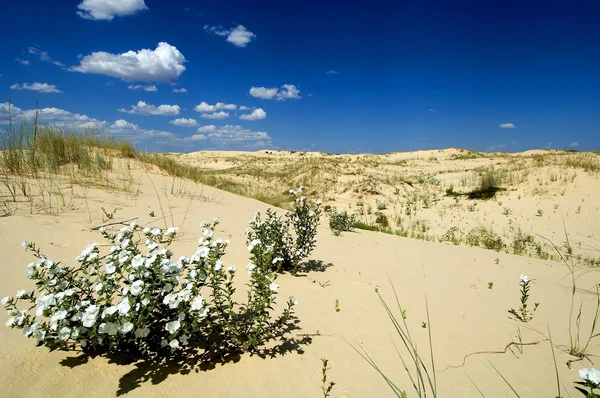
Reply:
x=337, y=305
x=489, y=184
x=522, y=313
x=490, y=285
x=381, y=205
x=325, y=387
x=110, y=215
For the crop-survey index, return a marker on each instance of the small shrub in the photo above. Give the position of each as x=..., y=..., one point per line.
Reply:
x=489, y=184
x=486, y=238
x=340, y=221
x=275, y=232
x=522, y=313
x=381, y=205
x=382, y=220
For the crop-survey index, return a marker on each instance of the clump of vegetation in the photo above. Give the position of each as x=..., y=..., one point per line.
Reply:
x=489, y=185
x=382, y=220
x=451, y=235
x=340, y=221
x=485, y=237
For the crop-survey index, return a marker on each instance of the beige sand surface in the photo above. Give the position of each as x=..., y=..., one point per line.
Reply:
x=466, y=316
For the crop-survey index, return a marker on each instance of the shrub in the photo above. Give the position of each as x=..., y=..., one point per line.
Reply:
x=489, y=184
x=271, y=241
x=340, y=221
x=143, y=301
x=382, y=220
x=486, y=238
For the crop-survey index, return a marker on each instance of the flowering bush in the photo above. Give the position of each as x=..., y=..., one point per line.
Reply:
x=143, y=301
x=522, y=313
x=280, y=243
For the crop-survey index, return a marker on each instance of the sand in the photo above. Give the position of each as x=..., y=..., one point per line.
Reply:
x=465, y=315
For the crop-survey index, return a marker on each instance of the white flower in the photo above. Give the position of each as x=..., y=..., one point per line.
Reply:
x=301, y=189
x=99, y=286
x=21, y=293
x=89, y=316
x=171, y=231
x=208, y=234
x=590, y=374
x=43, y=302
x=231, y=268
x=109, y=311
x=250, y=267
x=155, y=231
x=292, y=192
x=137, y=287
x=24, y=244
x=174, y=343
x=10, y=322
x=318, y=202
x=59, y=315
x=31, y=329
x=173, y=326
x=203, y=313
x=215, y=219
x=145, y=302
x=4, y=301
x=124, y=306
x=273, y=287
x=524, y=278
x=141, y=333
x=109, y=328
x=172, y=300
x=64, y=333
x=126, y=327
x=202, y=251
x=252, y=244
x=197, y=303
x=110, y=268
x=137, y=261
x=218, y=265
x=293, y=300
x=184, y=339
x=277, y=260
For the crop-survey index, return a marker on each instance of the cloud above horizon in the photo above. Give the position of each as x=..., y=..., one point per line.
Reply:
x=161, y=65
x=39, y=87
x=145, y=109
x=287, y=91
x=507, y=126
x=184, y=122
x=257, y=114
x=149, y=88
x=238, y=36
x=107, y=10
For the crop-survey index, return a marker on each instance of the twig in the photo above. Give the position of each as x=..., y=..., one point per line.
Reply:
x=489, y=352
x=124, y=222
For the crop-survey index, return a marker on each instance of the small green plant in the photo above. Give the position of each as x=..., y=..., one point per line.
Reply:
x=490, y=285
x=403, y=314
x=451, y=235
x=497, y=261
x=337, y=305
x=591, y=381
x=381, y=205
x=472, y=207
x=151, y=214
x=522, y=313
x=539, y=213
x=340, y=221
x=110, y=216
x=506, y=211
x=326, y=388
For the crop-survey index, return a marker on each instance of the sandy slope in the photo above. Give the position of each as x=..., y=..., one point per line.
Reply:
x=466, y=316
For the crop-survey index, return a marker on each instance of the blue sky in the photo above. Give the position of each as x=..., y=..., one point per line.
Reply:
x=332, y=76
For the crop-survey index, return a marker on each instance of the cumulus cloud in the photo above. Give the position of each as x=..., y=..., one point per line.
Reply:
x=39, y=87
x=231, y=134
x=183, y=122
x=287, y=91
x=145, y=109
x=124, y=124
x=179, y=90
x=207, y=129
x=142, y=87
x=574, y=144
x=332, y=72
x=215, y=115
x=238, y=36
x=56, y=117
x=22, y=61
x=106, y=10
x=431, y=110
x=204, y=107
x=163, y=64
x=220, y=106
x=257, y=114
x=196, y=137
x=44, y=56
x=507, y=126
x=246, y=108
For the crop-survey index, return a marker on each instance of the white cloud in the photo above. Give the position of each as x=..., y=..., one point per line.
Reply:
x=196, y=137
x=145, y=109
x=257, y=114
x=163, y=64
x=22, y=61
x=574, y=144
x=39, y=87
x=332, y=72
x=204, y=107
x=142, y=87
x=44, y=56
x=56, y=117
x=179, y=90
x=238, y=36
x=183, y=122
x=124, y=124
x=215, y=115
x=287, y=91
x=431, y=110
x=108, y=9
x=507, y=126
x=246, y=108
x=207, y=129
x=231, y=134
